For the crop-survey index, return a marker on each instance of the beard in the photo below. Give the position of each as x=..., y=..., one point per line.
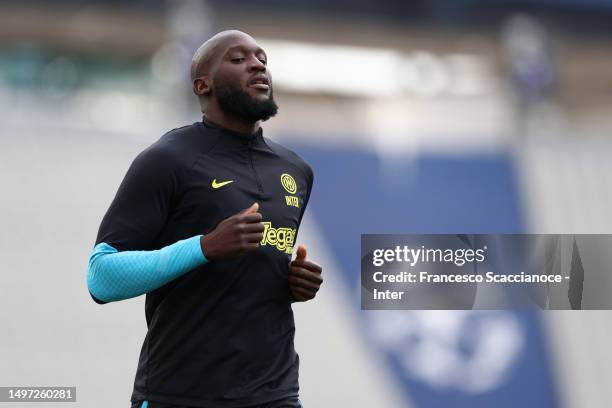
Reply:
x=240, y=104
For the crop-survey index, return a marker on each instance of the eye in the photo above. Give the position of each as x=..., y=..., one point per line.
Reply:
x=263, y=61
x=237, y=60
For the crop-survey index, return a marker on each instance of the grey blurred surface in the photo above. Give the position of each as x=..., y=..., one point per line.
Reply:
x=55, y=188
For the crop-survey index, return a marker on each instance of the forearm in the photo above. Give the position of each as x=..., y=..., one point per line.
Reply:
x=113, y=275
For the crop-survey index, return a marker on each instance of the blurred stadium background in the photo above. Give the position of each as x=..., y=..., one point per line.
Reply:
x=427, y=116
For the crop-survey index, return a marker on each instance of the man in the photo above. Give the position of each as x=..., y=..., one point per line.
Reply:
x=204, y=223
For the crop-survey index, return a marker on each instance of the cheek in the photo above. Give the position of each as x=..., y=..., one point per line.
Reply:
x=232, y=76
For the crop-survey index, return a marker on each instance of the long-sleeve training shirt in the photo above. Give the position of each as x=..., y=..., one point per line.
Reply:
x=220, y=333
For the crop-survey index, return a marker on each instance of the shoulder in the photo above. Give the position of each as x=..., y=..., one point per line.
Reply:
x=292, y=157
x=177, y=148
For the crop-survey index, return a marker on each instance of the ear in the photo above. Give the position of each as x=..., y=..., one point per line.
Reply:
x=201, y=85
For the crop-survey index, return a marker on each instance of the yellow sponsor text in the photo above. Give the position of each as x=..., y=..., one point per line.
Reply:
x=282, y=238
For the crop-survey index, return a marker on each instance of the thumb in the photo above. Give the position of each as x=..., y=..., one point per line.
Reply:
x=252, y=209
x=301, y=253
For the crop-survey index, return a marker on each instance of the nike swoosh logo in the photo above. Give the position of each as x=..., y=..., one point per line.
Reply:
x=221, y=184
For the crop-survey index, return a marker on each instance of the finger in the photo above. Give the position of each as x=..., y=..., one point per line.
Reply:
x=254, y=227
x=254, y=237
x=305, y=293
x=311, y=266
x=295, y=282
x=305, y=274
x=252, y=209
x=250, y=218
x=301, y=253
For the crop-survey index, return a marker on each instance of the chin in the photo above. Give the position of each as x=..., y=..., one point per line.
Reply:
x=260, y=96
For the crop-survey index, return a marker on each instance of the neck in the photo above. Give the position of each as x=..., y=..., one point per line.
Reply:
x=230, y=122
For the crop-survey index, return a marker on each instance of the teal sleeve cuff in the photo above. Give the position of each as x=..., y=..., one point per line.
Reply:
x=114, y=275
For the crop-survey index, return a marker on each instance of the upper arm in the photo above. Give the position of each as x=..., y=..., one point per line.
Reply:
x=143, y=201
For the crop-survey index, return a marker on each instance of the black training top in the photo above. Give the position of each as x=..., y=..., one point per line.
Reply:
x=222, y=334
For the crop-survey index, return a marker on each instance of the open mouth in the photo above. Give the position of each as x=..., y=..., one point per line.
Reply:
x=260, y=82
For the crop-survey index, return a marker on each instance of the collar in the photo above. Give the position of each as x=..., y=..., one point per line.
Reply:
x=247, y=138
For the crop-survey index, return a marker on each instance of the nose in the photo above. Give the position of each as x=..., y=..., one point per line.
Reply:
x=256, y=65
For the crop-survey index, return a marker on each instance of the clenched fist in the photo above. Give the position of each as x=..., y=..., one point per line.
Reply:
x=235, y=235
x=304, y=277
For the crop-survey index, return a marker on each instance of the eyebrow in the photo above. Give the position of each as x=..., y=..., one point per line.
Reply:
x=243, y=48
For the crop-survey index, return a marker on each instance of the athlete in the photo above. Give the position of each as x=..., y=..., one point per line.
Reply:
x=204, y=223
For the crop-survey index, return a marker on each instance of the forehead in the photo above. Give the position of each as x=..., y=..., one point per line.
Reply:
x=241, y=43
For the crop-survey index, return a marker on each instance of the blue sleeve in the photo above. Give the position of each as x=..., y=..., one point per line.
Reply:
x=114, y=275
